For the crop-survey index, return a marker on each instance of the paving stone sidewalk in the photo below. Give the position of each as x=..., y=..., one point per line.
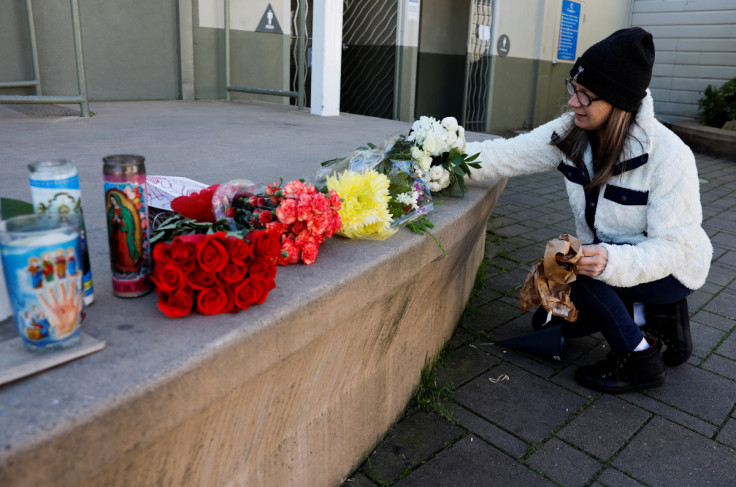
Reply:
x=519, y=420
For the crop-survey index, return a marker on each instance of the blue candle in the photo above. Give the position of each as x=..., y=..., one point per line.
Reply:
x=40, y=255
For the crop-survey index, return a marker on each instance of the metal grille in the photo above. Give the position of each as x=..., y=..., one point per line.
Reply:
x=478, y=68
x=369, y=57
x=43, y=110
x=294, y=78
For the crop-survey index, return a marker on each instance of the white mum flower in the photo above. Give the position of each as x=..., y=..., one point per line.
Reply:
x=442, y=145
x=409, y=199
x=444, y=179
x=417, y=154
x=450, y=123
x=433, y=186
x=426, y=162
x=431, y=146
x=451, y=139
x=460, y=144
x=436, y=173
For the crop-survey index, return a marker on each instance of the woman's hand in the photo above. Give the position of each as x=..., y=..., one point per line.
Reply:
x=593, y=261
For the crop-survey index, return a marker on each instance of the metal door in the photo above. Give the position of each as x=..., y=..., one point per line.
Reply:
x=369, y=57
x=478, y=67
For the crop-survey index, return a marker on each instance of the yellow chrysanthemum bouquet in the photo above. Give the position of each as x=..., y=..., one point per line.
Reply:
x=379, y=192
x=365, y=199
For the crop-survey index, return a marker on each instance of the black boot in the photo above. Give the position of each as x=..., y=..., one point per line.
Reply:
x=670, y=323
x=625, y=371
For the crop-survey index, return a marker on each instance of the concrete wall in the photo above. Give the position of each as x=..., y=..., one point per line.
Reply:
x=527, y=84
x=258, y=59
x=130, y=48
x=132, y=51
x=696, y=47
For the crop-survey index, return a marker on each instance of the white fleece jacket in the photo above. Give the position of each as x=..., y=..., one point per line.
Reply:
x=648, y=217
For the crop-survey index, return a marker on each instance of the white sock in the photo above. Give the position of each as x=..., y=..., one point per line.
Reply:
x=643, y=345
x=639, y=317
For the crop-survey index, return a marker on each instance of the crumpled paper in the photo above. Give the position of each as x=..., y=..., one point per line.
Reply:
x=548, y=281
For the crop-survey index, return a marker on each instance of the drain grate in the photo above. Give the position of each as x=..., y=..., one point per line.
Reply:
x=42, y=110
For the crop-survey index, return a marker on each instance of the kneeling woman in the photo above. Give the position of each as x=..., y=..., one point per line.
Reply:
x=634, y=191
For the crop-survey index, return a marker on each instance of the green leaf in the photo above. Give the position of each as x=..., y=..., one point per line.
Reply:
x=156, y=237
x=11, y=207
x=163, y=228
x=473, y=157
x=331, y=161
x=420, y=226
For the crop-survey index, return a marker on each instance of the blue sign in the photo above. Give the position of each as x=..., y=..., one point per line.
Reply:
x=569, y=23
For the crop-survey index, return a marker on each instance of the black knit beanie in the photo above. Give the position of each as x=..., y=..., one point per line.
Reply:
x=618, y=68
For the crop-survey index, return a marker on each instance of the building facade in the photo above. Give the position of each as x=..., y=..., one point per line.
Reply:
x=497, y=65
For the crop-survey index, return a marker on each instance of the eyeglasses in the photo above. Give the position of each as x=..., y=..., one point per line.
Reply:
x=584, y=99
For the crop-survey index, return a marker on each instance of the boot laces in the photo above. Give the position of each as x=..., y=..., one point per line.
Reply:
x=616, y=362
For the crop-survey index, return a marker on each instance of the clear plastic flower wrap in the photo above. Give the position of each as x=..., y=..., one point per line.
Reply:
x=227, y=194
x=407, y=197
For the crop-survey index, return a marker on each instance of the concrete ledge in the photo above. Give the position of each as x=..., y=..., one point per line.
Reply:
x=707, y=140
x=299, y=391
x=293, y=392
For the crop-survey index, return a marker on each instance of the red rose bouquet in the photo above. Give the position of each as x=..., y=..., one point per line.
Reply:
x=302, y=216
x=218, y=250
x=214, y=273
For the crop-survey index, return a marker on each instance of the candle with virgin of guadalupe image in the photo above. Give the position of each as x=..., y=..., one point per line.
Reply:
x=126, y=212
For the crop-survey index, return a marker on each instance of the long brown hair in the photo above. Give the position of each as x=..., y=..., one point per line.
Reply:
x=615, y=133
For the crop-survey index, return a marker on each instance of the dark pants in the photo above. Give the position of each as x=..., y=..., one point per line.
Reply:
x=607, y=308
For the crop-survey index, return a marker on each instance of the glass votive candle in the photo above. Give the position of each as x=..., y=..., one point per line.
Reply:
x=41, y=263
x=55, y=189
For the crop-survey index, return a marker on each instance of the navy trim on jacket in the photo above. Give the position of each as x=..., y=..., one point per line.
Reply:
x=578, y=174
x=625, y=196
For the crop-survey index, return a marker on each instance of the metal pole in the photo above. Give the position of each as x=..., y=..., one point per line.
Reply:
x=301, y=65
x=79, y=55
x=227, y=50
x=262, y=91
x=81, y=99
x=34, y=48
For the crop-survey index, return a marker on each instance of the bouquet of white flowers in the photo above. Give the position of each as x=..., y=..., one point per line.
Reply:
x=438, y=154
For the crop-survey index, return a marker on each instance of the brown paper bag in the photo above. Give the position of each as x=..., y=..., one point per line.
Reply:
x=548, y=281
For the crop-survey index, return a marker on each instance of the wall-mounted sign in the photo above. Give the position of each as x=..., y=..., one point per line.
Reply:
x=412, y=10
x=503, y=45
x=569, y=24
x=269, y=23
x=484, y=33
x=245, y=15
